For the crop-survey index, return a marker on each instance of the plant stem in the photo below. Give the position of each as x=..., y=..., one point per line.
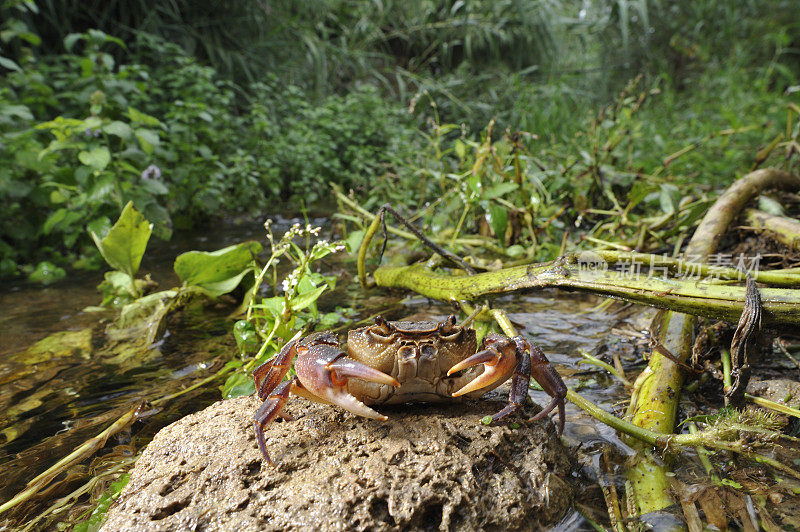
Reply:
x=725, y=358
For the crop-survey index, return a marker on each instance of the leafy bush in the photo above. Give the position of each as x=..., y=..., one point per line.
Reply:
x=83, y=135
x=346, y=139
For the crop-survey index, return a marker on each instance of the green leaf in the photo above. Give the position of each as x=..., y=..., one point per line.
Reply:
x=500, y=189
x=98, y=158
x=71, y=39
x=141, y=118
x=516, y=251
x=273, y=305
x=670, y=198
x=353, y=241
x=47, y=273
x=216, y=289
x=638, y=192
x=7, y=63
x=53, y=220
x=498, y=218
x=307, y=299
x=460, y=149
x=238, y=385
x=247, y=339
x=119, y=129
x=156, y=188
x=124, y=245
x=148, y=139
x=20, y=111
x=218, y=271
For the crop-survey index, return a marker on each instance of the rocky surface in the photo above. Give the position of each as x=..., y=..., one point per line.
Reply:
x=429, y=467
x=782, y=391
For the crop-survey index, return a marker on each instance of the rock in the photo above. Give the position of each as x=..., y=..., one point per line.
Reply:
x=782, y=391
x=429, y=467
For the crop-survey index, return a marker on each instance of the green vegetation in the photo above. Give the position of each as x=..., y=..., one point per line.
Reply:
x=194, y=114
x=510, y=132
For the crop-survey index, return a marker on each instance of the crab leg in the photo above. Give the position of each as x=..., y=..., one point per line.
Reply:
x=499, y=357
x=519, y=387
x=324, y=370
x=269, y=374
x=273, y=404
x=551, y=382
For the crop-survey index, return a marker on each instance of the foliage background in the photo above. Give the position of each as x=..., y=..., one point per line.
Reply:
x=198, y=110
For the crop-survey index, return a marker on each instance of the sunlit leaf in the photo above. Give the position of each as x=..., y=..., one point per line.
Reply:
x=238, y=385
x=124, y=245
x=97, y=158
x=217, y=272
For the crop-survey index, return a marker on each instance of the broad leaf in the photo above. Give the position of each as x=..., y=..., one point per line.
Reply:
x=500, y=189
x=124, y=245
x=97, y=158
x=238, y=385
x=219, y=271
x=670, y=198
x=119, y=129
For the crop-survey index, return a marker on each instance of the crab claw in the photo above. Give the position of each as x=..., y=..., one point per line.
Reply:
x=498, y=359
x=324, y=370
x=345, y=367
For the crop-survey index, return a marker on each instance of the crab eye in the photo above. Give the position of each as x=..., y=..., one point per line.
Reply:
x=428, y=350
x=450, y=335
x=378, y=335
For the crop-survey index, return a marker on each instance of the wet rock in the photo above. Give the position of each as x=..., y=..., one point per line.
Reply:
x=782, y=391
x=429, y=467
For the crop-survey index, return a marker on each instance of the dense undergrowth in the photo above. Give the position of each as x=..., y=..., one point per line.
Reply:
x=511, y=107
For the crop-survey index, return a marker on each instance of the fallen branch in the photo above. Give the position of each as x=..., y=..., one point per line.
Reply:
x=781, y=306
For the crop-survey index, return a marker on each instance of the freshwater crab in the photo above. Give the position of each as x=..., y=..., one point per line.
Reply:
x=403, y=361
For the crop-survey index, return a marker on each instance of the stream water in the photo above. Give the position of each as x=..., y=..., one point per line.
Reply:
x=54, y=398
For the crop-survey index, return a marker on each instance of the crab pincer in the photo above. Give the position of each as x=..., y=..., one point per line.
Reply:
x=499, y=358
x=323, y=370
x=502, y=356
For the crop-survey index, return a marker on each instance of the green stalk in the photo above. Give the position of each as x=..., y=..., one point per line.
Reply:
x=80, y=453
x=725, y=357
x=772, y=405
x=702, y=454
x=781, y=305
x=96, y=443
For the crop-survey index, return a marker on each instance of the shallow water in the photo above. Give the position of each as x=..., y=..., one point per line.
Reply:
x=54, y=403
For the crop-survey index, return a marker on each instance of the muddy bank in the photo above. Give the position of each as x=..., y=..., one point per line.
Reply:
x=428, y=467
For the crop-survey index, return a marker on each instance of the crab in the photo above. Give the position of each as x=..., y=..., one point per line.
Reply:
x=393, y=362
